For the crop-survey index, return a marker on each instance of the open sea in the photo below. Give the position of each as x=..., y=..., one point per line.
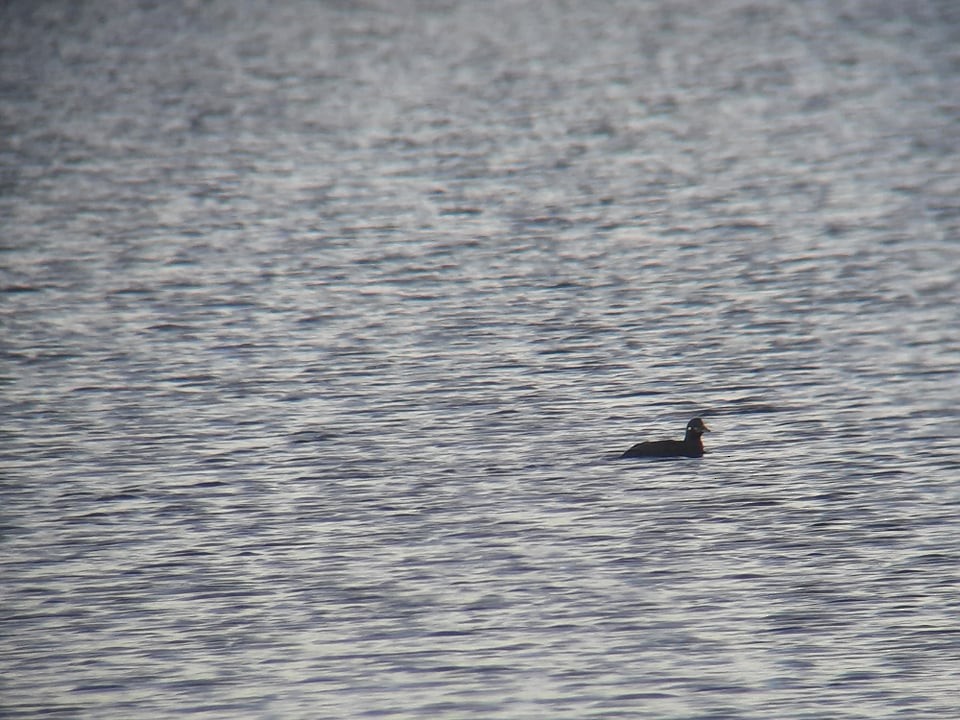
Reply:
x=323, y=324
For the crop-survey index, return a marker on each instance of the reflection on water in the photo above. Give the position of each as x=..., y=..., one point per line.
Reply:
x=324, y=326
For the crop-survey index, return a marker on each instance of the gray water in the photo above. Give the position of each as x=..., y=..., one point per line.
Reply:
x=325, y=322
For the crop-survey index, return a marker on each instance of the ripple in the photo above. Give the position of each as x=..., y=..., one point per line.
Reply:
x=321, y=340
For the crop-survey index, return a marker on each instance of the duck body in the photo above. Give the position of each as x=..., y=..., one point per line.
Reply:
x=690, y=447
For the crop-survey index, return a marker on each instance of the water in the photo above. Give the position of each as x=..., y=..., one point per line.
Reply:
x=324, y=323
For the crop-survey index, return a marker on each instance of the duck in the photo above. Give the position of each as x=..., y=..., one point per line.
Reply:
x=690, y=447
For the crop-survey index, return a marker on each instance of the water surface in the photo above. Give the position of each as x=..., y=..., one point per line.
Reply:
x=324, y=323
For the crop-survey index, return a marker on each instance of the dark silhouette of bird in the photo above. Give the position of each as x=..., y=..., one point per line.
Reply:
x=691, y=446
